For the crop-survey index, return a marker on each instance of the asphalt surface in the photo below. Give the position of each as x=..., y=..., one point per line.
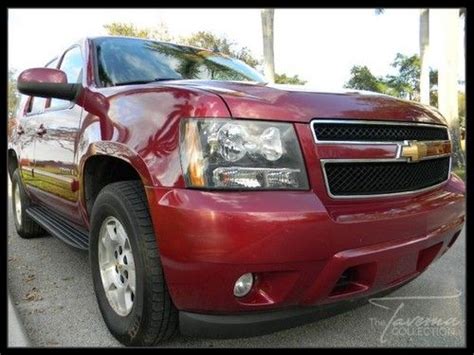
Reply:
x=51, y=287
x=17, y=334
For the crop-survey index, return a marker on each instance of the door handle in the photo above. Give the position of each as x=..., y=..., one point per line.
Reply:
x=20, y=130
x=41, y=130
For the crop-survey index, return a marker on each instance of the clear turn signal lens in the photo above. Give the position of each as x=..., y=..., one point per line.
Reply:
x=235, y=177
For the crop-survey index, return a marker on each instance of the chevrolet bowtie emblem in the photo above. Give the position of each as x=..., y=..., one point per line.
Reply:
x=415, y=151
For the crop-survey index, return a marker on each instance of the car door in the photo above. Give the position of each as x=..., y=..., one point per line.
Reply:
x=33, y=108
x=55, y=167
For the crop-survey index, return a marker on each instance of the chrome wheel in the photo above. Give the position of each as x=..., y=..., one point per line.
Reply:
x=117, y=266
x=17, y=204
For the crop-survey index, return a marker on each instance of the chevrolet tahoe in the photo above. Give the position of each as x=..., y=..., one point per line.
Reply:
x=220, y=205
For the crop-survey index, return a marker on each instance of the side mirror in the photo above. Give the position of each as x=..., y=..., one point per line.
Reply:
x=46, y=82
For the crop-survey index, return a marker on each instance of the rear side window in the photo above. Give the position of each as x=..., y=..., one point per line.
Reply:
x=37, y=104
x=72, y=66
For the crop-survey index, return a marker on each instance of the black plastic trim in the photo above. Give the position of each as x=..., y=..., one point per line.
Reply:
x=258, y=323
x=59, y=227
x=50, y=90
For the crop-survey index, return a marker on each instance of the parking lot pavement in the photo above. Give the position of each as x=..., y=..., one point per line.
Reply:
x=51, y=286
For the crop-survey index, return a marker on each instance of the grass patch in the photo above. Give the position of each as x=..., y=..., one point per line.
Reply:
x=461, y=172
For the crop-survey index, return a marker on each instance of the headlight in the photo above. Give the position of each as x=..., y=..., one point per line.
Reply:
x=238, y=154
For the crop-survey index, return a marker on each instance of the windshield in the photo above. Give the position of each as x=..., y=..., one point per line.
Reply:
x=130, y=60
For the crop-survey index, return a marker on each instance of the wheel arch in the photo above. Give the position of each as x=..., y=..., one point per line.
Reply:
x=105, y=163
x=12, y=161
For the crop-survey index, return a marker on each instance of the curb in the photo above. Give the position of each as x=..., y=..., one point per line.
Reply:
x=16, y=332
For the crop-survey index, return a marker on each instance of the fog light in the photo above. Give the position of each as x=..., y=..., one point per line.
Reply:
x=243, y=285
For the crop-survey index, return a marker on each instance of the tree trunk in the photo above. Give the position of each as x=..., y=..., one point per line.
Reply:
x=267, y=30
x=424, y=62
x=448, y=80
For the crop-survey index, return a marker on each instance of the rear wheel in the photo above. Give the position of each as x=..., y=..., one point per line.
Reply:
x=126, y=268
x=25, y=226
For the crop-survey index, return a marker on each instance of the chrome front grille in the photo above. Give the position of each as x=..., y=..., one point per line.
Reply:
x=422, y=160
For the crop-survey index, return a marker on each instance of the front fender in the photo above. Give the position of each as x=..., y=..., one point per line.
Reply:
x=120, y=151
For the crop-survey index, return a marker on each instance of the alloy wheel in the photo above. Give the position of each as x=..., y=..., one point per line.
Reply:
x=117, y=266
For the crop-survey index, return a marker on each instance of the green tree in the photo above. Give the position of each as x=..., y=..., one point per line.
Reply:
x=363, y=79
x=284, y=79
x=462, y=109
x=126, y=29
x=433, y=87
x=406, y=82
x=424, y=86
x=13, y=96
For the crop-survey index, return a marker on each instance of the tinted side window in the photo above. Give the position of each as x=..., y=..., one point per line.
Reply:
x=72, y=66
x=37, y=103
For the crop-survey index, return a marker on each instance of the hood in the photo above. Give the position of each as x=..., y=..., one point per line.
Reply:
x=295, y=103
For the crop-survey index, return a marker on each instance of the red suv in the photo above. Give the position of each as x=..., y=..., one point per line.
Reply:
x=213, y=202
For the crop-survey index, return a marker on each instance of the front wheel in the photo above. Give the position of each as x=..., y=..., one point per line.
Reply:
x=126, y=269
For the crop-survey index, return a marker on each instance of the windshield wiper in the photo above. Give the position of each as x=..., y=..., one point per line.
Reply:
x=136, y=82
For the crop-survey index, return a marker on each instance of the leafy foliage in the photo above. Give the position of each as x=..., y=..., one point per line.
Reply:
x=434, y=87
x=363, y=79
x=461, y=172
x=462, y=108
x=404, y=84
x=13, y=96
x=125, y=29
x=284, y=79
x=407, y=82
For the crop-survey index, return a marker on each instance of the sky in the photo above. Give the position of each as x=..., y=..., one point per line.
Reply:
x=319, y=45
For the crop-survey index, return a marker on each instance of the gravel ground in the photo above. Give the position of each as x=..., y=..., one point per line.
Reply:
x=51, y=286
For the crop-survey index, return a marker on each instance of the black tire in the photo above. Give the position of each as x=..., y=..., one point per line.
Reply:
x=26, y=227
x=153, y=317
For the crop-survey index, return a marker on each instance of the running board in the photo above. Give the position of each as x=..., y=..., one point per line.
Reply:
x=59, y=227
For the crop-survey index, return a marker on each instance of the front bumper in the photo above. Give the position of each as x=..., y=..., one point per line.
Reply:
x=302, y=253
x=259, y=323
